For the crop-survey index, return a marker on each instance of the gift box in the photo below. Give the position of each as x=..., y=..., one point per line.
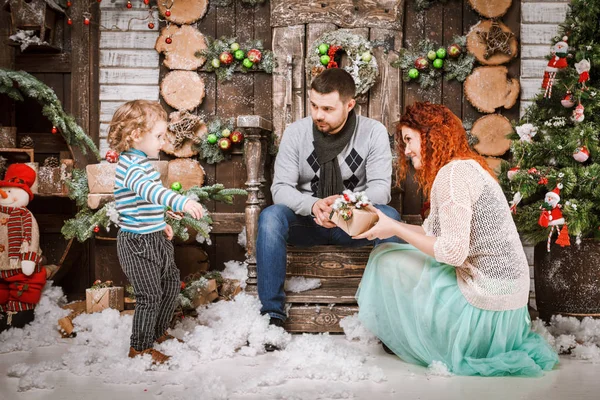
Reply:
x=353, y=213
x=98, y=299
x=361, y=220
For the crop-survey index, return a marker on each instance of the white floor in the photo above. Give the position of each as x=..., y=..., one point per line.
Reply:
x=573, y=379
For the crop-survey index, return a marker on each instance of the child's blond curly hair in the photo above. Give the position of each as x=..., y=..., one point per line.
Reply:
x=135, y=114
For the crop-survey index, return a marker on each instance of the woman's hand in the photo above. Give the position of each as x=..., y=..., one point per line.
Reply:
x=384, y=228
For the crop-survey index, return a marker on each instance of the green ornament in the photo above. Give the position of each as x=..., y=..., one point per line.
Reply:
x=234, y=46
x=323, y=48
x=215, y=63
x=431, y=55
x=176, y=186
x=239, y=54
x=441, y=53
x=413, y=73
x=225, y=132
x=247, y=63
x=366, y=56
x=438, y=63
x=212, y=138
x=325, y=59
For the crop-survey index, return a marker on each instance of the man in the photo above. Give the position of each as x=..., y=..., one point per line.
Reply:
x=319, y=157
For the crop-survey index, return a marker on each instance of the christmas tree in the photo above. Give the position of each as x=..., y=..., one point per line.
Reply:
x=553, y=182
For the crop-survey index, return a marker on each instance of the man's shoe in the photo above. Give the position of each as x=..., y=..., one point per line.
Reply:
x=277, y=322
x=387, y=349
x=165, y=336
x=157, y=356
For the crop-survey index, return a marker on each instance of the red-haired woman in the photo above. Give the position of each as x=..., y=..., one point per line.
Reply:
x=458, y=291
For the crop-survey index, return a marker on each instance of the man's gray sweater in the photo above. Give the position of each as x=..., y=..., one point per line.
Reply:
x=365, y=164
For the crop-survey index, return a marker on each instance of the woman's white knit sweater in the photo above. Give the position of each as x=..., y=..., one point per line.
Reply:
x=475, y=233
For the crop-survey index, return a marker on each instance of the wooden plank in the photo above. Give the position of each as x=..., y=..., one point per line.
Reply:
x=128, y=92
x=538, y=33
x=263, y=83
x=535, y=51
x=94, y=54
x=385, y=102
x=382, y=14
x=44, y=63
x=530, y=87
x=512, y=19
x=533, y=68
x=45, y=143
x=327, y=261
x=228, y=222
x=126, y=20
x=107, y=109
x=317, y=318
x=313, y=32
x=128, y=40
x=338, y=291
x=452, y=90
x=288, y=77
x=140, y=58
x=547, y=13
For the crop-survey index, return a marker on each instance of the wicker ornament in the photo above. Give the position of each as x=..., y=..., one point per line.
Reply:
x=496, y=40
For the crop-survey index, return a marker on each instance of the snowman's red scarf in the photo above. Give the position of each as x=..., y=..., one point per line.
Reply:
x=19, y=230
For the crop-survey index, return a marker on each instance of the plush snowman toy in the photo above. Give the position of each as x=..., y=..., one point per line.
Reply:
x=22, y=278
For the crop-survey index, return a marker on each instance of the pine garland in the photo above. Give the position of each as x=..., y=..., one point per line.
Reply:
x=242, y=63
x=78, y=187
x=18, y=85
x=211, y=152
x=453, y=68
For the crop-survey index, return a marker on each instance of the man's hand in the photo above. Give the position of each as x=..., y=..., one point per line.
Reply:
x=169, y=232
x=193, y=208
x=322, y=209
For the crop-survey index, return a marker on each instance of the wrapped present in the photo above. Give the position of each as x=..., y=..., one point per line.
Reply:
x=353, y=213
x=103, y=295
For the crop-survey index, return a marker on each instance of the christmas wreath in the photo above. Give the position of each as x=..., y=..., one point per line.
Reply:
x=429, y=62
x=326, y=52
x=226, y=55
x=18, y=85
x=87, y=222
x=219, y=140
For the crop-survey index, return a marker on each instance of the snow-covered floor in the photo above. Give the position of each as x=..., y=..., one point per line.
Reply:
x=223, y=358
x=574, y=379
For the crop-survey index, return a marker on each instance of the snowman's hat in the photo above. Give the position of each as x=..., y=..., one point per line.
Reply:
x=21, y=176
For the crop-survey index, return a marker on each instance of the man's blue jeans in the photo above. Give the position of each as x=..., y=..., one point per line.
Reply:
x=279, y=226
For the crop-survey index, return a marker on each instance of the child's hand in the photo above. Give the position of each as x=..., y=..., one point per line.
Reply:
x=169, y=232
x=194, y=208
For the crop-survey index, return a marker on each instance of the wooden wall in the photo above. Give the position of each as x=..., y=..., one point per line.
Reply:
x=72, y=74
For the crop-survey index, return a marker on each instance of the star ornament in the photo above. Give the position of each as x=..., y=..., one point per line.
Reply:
x=496, y=40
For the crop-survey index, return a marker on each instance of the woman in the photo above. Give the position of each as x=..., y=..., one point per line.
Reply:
x=458, y=291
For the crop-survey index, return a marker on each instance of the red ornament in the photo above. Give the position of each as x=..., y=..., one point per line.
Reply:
x=333, y=50
x=532, y=171
x=54, y=130
x=332, y=64
x=86, y=21
x=168, y=13
x=151, y=25
x=237, y=137
x=112, y=156
x=581, y=154
x=146, y=2
x=96, y=229
x=346, y=197
x=224, y=143
x=254, y=55
x=543, y=181
x=169, y=40
x=69, y=4
x=454, y=50
x=99, y=1
x=182, y=285
x=69, y=21
x=129, y=5
x=512, y=172
x=226, y=58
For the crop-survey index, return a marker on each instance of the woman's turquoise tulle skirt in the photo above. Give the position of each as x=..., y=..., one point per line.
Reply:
x=414, y=305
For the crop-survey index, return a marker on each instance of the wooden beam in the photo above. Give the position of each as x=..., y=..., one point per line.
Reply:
x=382, y=14
x=44, y=63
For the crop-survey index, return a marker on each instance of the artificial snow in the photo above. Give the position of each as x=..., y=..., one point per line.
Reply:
x=236, y=270
x=438, y=368
x=355, y=330
x=299, y=284
x=568, y=335
x=242, y=238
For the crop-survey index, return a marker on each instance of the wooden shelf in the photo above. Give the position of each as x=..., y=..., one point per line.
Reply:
x=15, y=150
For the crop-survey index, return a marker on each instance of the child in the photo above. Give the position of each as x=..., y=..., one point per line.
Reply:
x=145, y=251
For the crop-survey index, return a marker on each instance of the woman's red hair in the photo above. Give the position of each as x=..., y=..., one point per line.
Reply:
x=443, y=139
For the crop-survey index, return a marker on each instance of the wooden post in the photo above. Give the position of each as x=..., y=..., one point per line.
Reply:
x=257, y=131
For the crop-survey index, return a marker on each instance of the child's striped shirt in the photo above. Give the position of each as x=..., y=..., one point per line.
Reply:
x=140, y=197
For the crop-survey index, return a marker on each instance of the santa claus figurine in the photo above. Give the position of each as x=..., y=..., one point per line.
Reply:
x=551, y=210
x=558, y=61
x=22, y=278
